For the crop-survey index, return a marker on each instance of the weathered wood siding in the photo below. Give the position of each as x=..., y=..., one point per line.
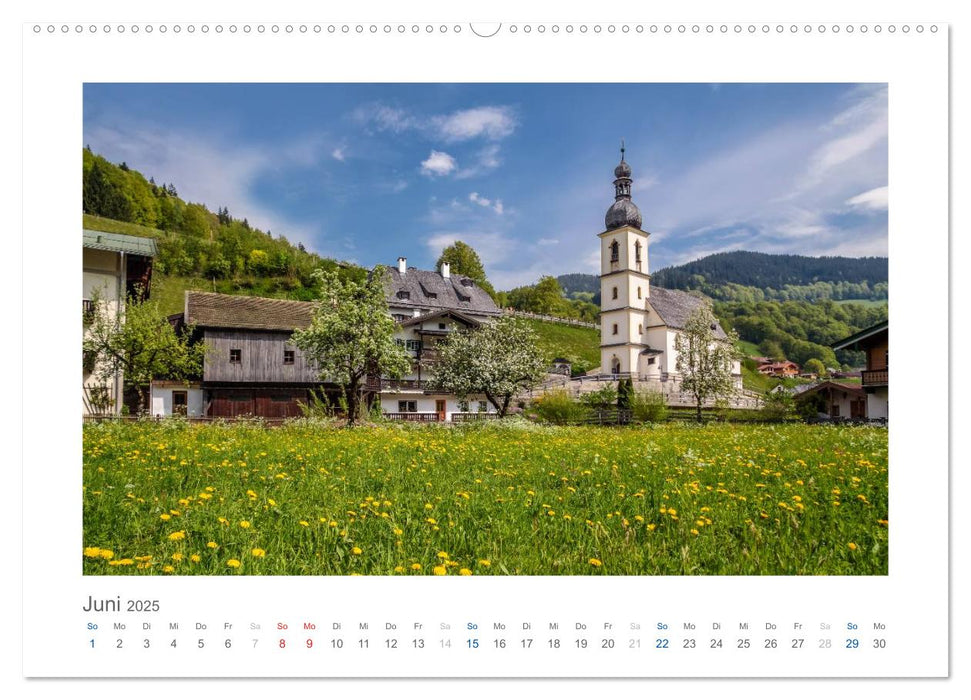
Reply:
x=261, y=360
x=231, y=402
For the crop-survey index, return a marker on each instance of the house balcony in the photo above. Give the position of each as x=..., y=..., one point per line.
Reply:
x=875, y=377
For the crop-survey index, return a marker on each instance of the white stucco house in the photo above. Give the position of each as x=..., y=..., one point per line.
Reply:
x=114, y=267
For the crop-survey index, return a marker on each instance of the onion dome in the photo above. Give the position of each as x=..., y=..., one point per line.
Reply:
x=623, y=212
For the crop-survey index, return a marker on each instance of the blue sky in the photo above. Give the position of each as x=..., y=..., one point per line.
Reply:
x=522, y=172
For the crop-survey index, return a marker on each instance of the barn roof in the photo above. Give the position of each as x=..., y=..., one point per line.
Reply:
x=209, y=310
x=674, y=307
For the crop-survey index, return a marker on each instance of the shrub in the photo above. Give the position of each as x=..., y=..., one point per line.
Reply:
x=648, y=406
x=777, y=406
x=559, y=408
x=602, y=398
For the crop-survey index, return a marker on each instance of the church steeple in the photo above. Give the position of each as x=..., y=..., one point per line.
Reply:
x=623, y=212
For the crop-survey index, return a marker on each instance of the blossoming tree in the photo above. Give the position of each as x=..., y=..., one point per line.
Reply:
x=497, y=360
x=705, y=360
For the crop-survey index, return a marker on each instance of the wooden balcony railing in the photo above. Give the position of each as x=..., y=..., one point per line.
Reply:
x=470, y=417
x=413, y=417
x=875, y=377
x=375, y=384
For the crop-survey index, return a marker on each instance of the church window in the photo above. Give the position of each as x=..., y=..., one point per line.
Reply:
x=614, y=293
x=640, y=328
x=637, y=251
x=651, y=360
x=638, y=292
x=615, y=329
x=614, y=251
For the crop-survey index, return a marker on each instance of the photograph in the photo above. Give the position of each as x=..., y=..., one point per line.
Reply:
x=485, y=329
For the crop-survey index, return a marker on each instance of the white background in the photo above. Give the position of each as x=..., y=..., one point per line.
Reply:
x=916, y=265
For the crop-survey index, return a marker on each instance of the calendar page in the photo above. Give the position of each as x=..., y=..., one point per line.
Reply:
x=485, y=346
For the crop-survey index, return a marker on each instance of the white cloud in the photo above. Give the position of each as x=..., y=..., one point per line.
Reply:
x=875, y=199
x=338, y=154
x=438, y=163
x=495, y=206
x=489, y=122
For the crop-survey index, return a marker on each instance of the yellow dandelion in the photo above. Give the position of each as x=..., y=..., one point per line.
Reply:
x=595, y=562
x=195, y=558
x=442, y=555
x=178, y=535
x=694, y=532
x=211, y=545
x=244, y=524
x=234, y=563
x=852, y=546
x=257, y=552
x=465, y=572
x=439, y=571
x=168, y=568
x=416, y=567
x=399, y=569
x=93, y=552
x=165, y=517
x=356, y=550
x=177, y=556
x=332, y=523
x=485, y=562
x=304, y=523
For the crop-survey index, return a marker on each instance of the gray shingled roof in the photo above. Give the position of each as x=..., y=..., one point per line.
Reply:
x=119, y=243
x=674, y=307
x=428, y=289
x=208, y=310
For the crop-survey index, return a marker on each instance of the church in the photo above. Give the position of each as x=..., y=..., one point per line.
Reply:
x=639, y=324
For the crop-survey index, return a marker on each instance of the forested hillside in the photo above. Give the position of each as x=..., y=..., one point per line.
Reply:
x=212, y=250
x=741, y=275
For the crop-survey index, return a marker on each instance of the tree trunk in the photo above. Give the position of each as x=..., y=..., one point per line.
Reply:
x=699, y=408
x=352, y=403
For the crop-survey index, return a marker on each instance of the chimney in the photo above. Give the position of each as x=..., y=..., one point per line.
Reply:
x=443, y=270
x=402, y=265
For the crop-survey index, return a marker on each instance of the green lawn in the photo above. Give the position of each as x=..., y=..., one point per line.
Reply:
x=573, y=342
x=519, y=498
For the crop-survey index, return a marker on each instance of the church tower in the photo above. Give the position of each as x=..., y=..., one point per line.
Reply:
x=624, y=280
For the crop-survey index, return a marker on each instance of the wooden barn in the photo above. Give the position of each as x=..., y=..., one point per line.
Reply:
x=251, y=368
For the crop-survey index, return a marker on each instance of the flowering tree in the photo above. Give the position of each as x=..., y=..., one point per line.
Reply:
x=140, y=343
x=497, y=360
x=704, y=359
x=352, y=335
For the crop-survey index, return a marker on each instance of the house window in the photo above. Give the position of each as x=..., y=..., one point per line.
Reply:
x=463, y=406
x=400, y=317
x=431, y=295
x=180, y=403
x=288, y=356
x=441, y=326
x=407, y=407
x=483, y=407
x=404, y=295
x=413, y=345
x=614, y=251
x=235, y=356
x=615, y=329
x=613, y=294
